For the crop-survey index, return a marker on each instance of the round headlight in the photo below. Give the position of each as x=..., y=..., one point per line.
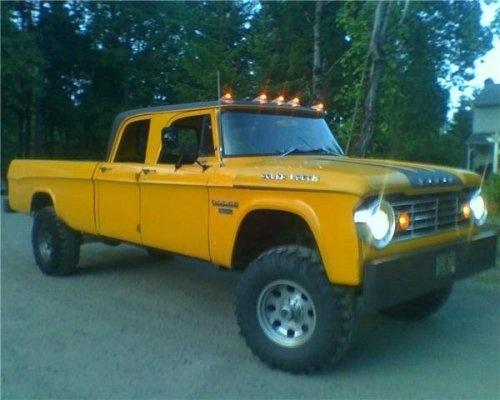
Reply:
x=478, y=207
x=376, y=223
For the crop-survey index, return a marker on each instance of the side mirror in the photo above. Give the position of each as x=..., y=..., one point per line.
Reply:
x=169, y=138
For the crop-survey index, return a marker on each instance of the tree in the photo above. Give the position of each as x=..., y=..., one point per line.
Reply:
x=214, y=36
x=21, y=79
x=293, y=47
x=380, y=22
x=69, y=67
x=316, y=69
x=435, y=46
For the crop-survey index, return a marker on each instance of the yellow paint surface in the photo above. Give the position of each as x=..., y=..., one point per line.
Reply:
x=171, y=208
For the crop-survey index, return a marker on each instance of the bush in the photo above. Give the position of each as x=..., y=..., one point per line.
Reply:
x=492, y=192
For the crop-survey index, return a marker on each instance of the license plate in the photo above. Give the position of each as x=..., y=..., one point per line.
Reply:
x=445, y=264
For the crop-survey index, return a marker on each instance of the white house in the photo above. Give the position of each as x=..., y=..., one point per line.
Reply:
x=482, y=145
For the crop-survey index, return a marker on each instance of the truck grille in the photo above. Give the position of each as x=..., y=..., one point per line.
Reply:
x=431, y=213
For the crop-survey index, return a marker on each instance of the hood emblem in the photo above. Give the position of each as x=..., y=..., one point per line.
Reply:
x=427, y=178
x=278, y=176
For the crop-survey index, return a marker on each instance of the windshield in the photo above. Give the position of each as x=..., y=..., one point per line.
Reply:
x=246, y=133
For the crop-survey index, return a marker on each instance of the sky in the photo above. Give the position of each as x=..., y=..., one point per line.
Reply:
x=487, y=66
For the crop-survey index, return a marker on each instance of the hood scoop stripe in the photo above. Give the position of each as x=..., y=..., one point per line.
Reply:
x=417, y=176
x=425, y=177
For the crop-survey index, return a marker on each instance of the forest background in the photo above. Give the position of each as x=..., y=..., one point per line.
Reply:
x=67, y=68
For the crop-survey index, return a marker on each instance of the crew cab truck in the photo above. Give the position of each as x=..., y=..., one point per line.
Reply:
x=265, y=189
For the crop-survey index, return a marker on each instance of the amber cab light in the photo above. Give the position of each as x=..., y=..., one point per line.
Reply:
x=262, y=99
x=295, y=102
x=227, y=98
x=279, y=100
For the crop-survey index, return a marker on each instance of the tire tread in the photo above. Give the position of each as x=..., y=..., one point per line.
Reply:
x=307, y=263
x=66, y=244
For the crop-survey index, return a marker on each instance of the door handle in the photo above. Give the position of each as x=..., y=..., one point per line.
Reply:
x=146, y=171
x=105, y=169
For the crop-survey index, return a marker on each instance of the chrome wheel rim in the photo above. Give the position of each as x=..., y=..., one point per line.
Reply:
x=45, y=245
x=286, y=313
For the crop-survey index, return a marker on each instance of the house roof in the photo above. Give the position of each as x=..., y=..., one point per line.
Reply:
x=489, y=96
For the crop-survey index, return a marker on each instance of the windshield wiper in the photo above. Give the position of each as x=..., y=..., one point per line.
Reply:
x=295, y=150
x=290, y=151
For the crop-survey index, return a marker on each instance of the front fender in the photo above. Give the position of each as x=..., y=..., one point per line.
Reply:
x=328, y=215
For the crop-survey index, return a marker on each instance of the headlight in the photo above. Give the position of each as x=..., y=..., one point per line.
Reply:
x=478, y=207
x=376, y=223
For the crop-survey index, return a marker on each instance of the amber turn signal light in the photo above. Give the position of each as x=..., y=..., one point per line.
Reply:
x=466, y=211
x=403, y=221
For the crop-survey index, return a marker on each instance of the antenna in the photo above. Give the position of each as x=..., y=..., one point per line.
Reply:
x=218, y=114
x=218, y=85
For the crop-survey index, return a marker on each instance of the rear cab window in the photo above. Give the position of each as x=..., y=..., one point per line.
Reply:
x=133, y=142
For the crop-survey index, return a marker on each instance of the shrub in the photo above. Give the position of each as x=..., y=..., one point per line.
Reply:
x=492, y=192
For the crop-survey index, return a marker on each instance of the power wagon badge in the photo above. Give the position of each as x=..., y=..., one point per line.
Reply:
x=277, y=176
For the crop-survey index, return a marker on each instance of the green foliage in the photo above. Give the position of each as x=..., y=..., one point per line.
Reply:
x=424, y=45
x=69, y=67
x=21, y=77
x=492, y=192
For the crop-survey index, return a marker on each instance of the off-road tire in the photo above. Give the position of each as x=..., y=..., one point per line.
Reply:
x=62, y=255
x=334, y=310
x=420, y=307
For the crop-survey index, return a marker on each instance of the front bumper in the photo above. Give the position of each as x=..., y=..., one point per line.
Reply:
x=393, y=280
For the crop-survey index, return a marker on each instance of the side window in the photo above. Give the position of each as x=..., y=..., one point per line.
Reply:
x=194, y=139
x=133, y=143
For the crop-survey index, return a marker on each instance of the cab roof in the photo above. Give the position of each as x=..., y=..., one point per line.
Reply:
x=236, y=104
x=213, y=104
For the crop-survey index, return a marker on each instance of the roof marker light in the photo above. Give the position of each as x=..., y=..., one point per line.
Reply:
x=227, y=98
x=262, y=98
x=295, y=102
x=318, y=107
x=279, y=100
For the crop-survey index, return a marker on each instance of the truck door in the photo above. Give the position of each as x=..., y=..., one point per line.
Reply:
x=174, y=193
x=117, y=187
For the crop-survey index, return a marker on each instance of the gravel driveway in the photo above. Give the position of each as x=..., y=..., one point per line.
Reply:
x=127, y=326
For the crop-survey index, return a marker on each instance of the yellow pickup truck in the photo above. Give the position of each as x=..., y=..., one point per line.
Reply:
x=263, y=187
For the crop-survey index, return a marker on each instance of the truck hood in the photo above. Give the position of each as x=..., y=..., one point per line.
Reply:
x=347, y=175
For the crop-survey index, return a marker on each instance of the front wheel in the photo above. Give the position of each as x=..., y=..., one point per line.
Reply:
x=56, y=246
x=290, y=315
x=420, y=307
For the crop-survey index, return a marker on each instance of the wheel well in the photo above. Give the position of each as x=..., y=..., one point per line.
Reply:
x=263, y=229
x=40, y=200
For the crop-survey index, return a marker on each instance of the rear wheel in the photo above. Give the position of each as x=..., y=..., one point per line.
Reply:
x=420, y=307
x=56, y=247
x=290, y=315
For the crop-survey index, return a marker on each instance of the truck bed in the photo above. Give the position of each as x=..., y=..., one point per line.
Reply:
x=68, y=184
